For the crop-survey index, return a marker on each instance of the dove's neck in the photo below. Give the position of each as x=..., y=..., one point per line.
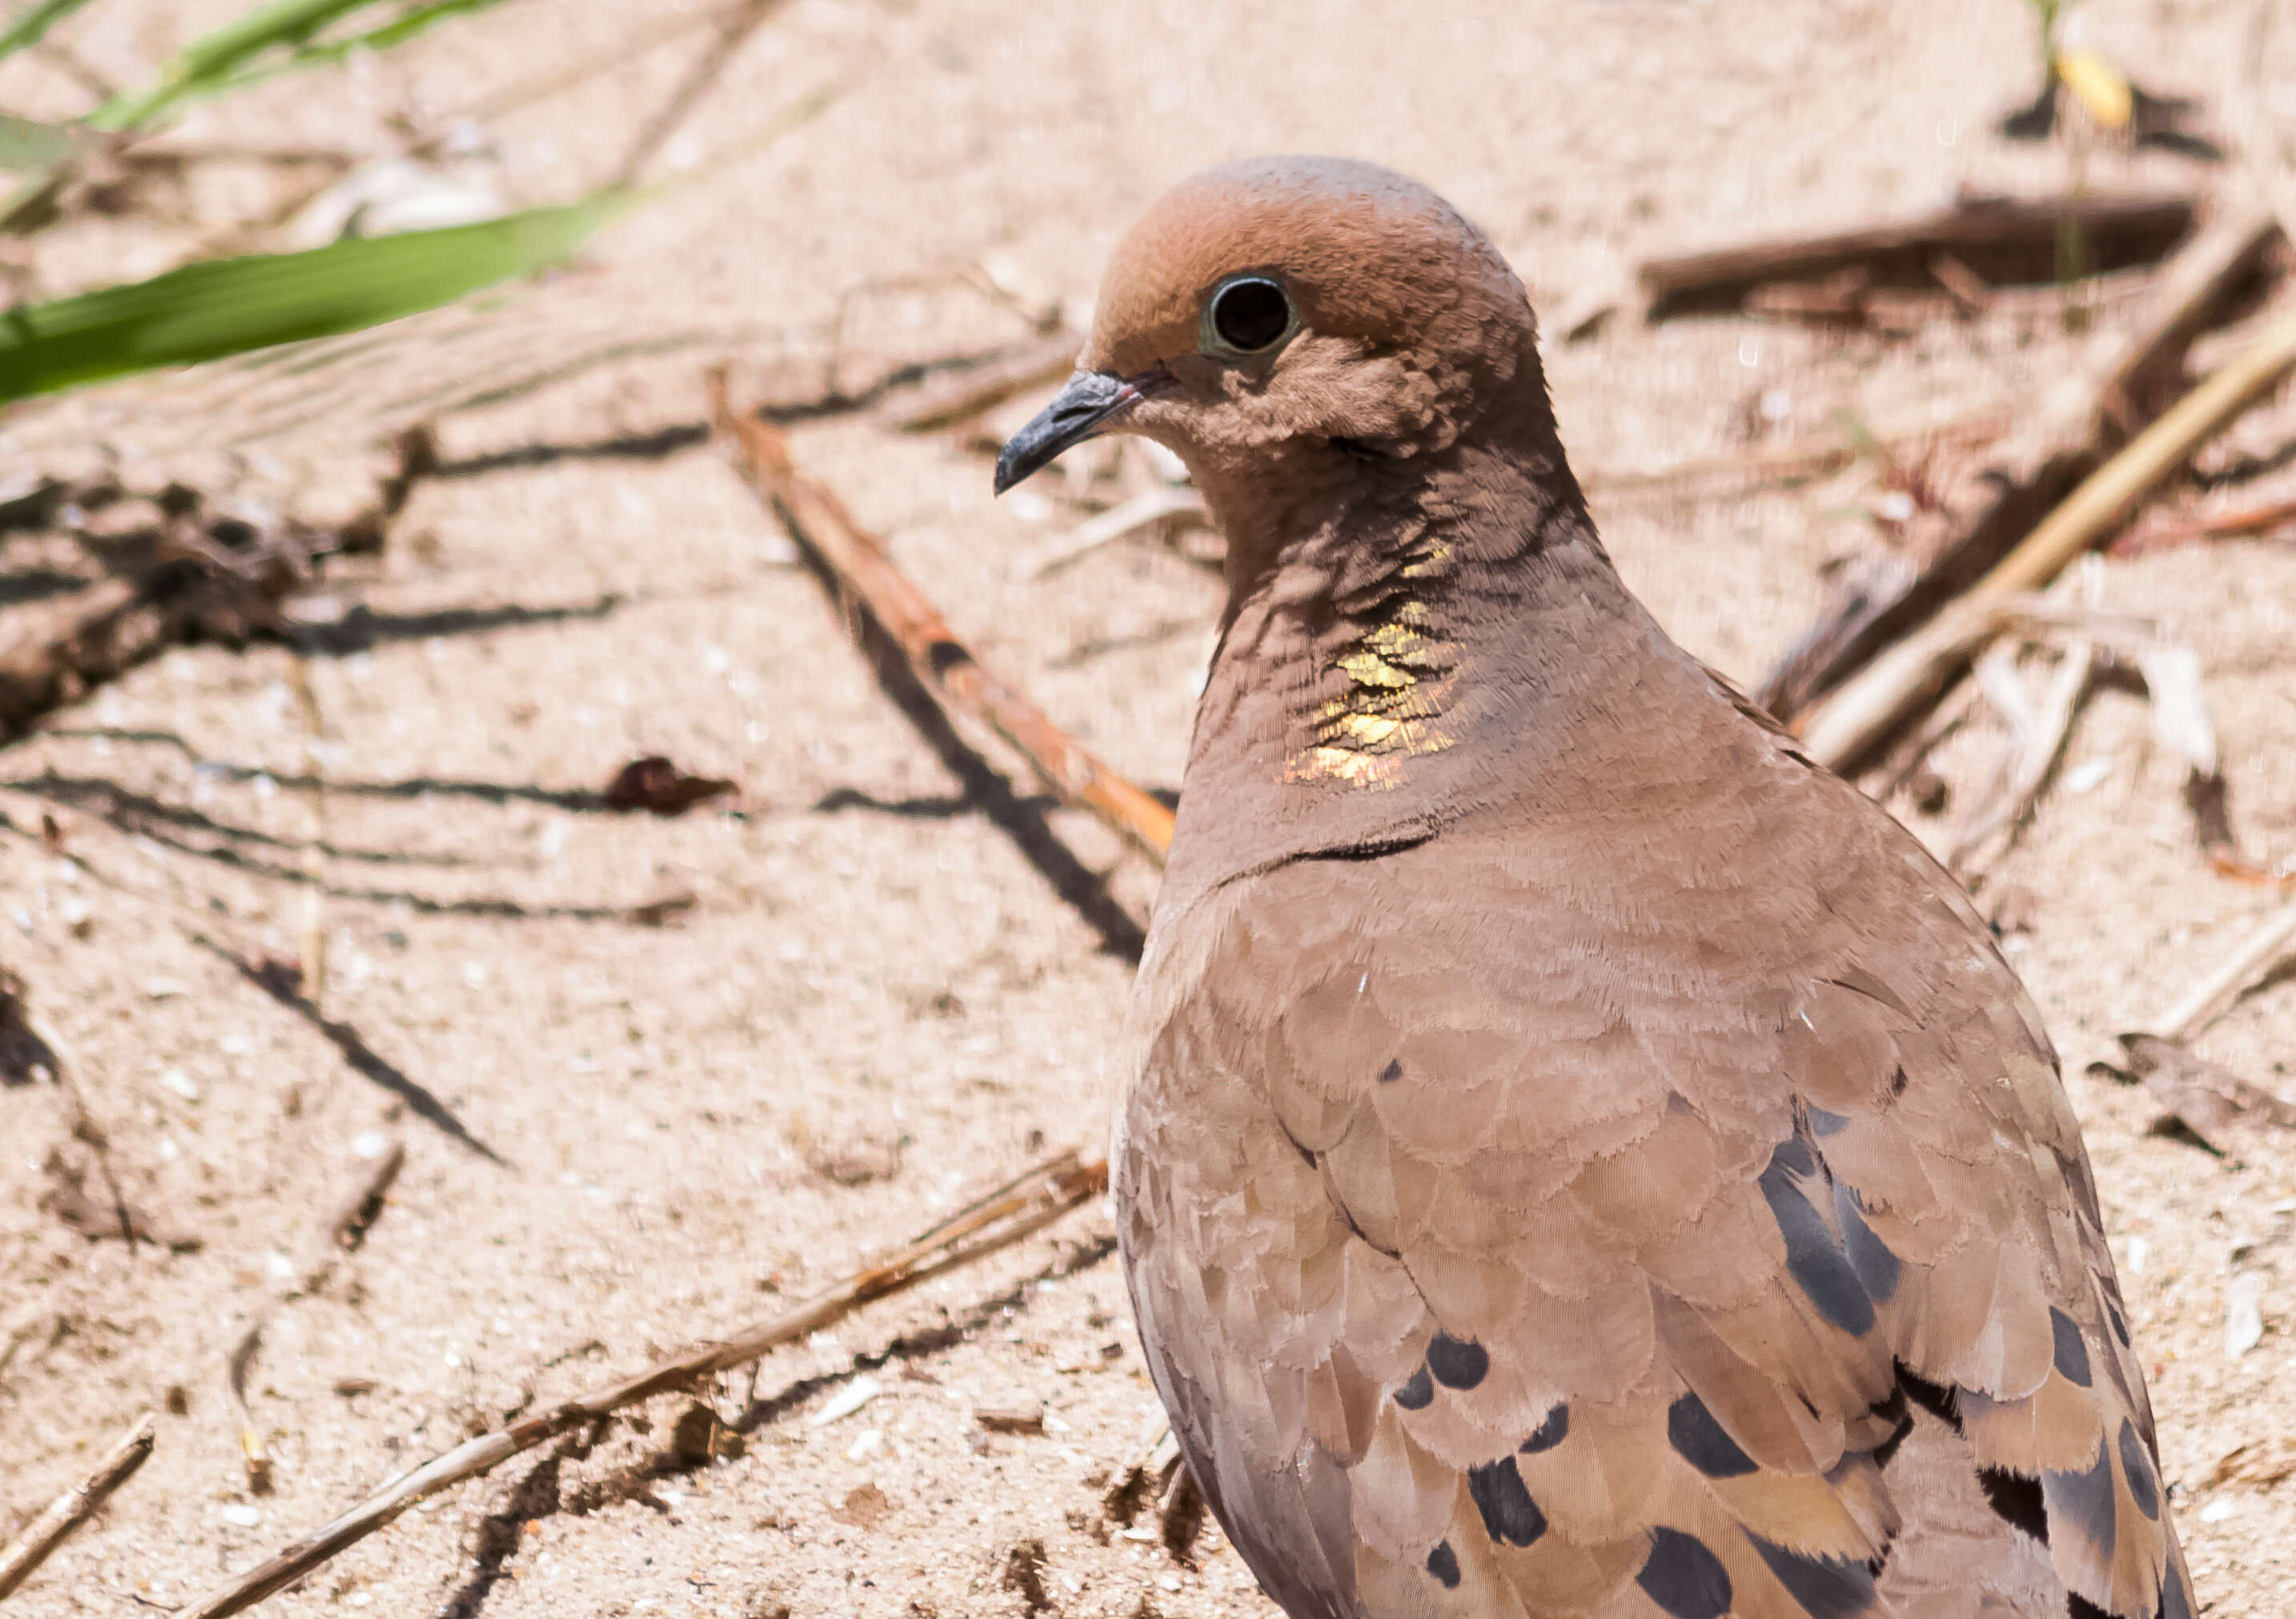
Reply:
x=1408, y=643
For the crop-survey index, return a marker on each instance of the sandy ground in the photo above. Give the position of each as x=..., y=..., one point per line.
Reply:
x=872, y=983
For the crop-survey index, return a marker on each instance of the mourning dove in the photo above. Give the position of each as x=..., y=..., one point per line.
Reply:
x=1581, y=1157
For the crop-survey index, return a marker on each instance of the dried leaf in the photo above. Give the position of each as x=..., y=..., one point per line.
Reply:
x=655, y=783
x=865, y=1506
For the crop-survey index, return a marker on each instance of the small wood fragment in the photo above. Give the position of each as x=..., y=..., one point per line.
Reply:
x=2017, y=234
x=1866, y=709
x=1020, y=1208
x=958, y=680
x=1877, y=602
x=1015, y=1419
x=57, y=1522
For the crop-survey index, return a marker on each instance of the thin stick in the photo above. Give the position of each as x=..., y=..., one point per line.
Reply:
x=2258, y=953
x=2213, y=525
x=985, y=386
x=1020, y=1208
x=1722, y=278
x=1871, y=703
x=738, y=23
x=1149, y=506
x=1884, y=597
x=65, y=1514
x=344, y=1230
x=820, y=522
x=2036, y=755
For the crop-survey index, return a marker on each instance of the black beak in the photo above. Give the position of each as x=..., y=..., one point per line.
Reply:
x=1090, y=398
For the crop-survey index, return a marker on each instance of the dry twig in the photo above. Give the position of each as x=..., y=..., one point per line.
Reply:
x=1866, y=709
x=1883, y=597
x=738, y=22
x=345, y=1229
x=1150, y=506
x=62, y=1516
x=1020, y=1208
x=966, y=393
x=2018, y=234
x=858, y=560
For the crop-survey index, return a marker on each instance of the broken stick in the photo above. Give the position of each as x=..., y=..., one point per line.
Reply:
x=1866, y=709
x=64, y=1515
x=1880, y=599
x=1020, y=1208
x=2014, y=238
x=858, y=560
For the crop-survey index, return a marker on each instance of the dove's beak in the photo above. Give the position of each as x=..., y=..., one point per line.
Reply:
x=1079, y=410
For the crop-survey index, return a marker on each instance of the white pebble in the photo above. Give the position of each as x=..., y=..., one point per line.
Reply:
x=180, y=1083
x=368, y=1143
x=847, y=1401
x=869, y=1442
x=241, y=1515
x=2244, y=1316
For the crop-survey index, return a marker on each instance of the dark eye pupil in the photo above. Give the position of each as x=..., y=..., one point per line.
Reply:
x=1251, y=314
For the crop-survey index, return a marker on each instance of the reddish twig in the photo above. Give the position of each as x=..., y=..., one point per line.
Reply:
x=956, y=678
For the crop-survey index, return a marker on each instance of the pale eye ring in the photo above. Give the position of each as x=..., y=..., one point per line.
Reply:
x=1248, y=315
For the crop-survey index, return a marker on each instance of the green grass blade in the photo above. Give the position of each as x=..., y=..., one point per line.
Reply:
x=32, y=24
x=214, y=58
x=230, y=305
x=421, y=20
x=30, y=148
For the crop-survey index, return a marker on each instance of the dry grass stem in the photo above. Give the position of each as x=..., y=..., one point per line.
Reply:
x=1020, y=1208
x=2023, y=229
x=2258, y=954
x=958, y=681
x=737, y=23
x=344, y=1230
x=1146, y=509
x=2034, y=755
x=1880, y=598
x=1864, y=709
x=967, y=393
x=23, y=1555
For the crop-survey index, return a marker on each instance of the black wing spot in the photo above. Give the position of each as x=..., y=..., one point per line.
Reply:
x=1897, y=1082
x=1457, y=1362
x=1869, y=1256
x=1550, y=1433
x=2073, y=1353
x=2119, y=1322
x=2017, y=1500
x=1827, y=1588
x=1392, y=1072
x=2085, y=1499
x=2176, y=1601
x=1509, y=1513
x=2077, y=1607
x=1683, y=1577
x=1699, y=1439
x=1417, y=1393
x=1823, y=1124
x=1443, y=1563
x=2142, y=1488
x=1812, y=1258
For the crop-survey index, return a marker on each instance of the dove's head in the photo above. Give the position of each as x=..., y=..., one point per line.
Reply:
x=1287, y=321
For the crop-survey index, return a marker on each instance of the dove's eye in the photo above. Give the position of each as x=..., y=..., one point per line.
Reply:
x=1248, y=315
